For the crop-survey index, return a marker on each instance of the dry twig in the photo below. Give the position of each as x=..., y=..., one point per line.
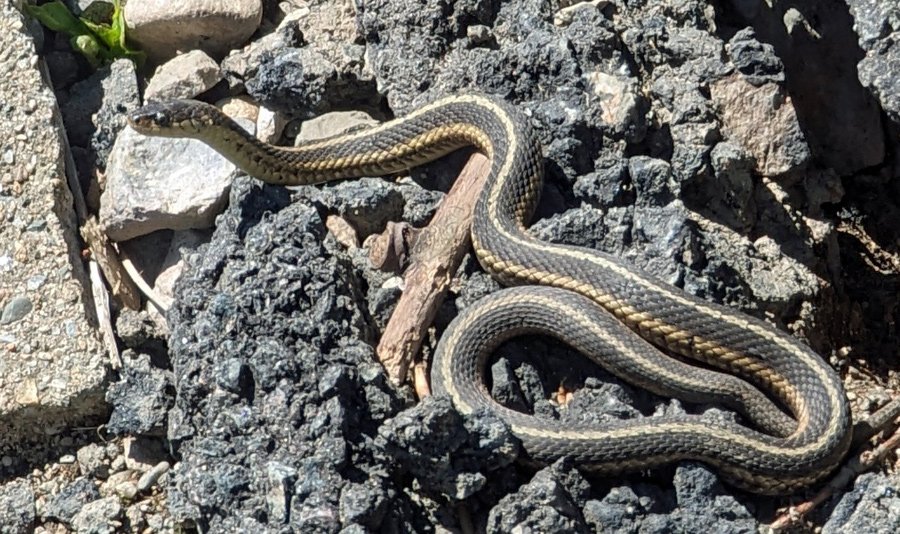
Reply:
x=438, y=252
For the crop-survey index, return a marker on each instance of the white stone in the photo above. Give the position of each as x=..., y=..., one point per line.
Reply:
x=184, y=76
x=155, y=183
x=163, y=28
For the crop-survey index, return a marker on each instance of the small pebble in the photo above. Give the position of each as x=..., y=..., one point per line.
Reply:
x=150, y=477
x=15, y=309
x=67, y=459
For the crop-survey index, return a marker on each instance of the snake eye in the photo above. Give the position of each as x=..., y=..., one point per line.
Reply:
x=161, y=119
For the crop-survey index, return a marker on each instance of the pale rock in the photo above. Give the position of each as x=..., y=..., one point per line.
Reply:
x=162, y=28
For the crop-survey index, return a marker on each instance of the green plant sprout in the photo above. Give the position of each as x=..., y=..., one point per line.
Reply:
x=98, y=34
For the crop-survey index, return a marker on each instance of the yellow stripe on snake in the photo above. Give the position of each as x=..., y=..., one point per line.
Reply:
x=586, y=298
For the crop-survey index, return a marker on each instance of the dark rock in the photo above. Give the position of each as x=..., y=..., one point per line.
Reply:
x=446, y=452
x=368, y=203
x=68, y=502
x=96, y=109
x=704, y=503
x=551, y=502
x=141, y=398
x=641, y=508
x=274, y=382
x=756, y=61
x=876, y=24
x=873, y=505
x=141, y=332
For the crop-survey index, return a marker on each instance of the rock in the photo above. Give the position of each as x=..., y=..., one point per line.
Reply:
x=641, y=508
x=240, y=106
x=367, y=203
x=876, y=24
x=122, y=483
x=68, y=502
x=733, y=200
x=141, y=399
x=17, y=513
x=183, y=242
x=281, y=480
x=99, y=517
x=364, y=503
x=92, y=461
x=162, y=29
x=142, y=332
x=756, y=61
x=184, y=76
x=52, y=362
x=311, y=64
x=447, y=453
x=334, y=123
x=762, y=121
x=16, y=309
x=873, y=505
x=318, y=396
x=703, y=502
x=94, y=112
x=156, y=183
x=270, y=125
x=150, y=478
x=841, y=118
x=550, y=502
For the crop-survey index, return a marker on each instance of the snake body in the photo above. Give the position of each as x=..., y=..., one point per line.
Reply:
x=588, y=296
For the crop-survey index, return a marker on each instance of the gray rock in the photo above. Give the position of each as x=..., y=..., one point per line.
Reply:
x=99, y=517
x=52, y=362
x=92, y=461
x=873, y=505
x=16, y=309
x=158, y=183
x=17, y=512
x=282, y=479
x=162, y=29
x=184, y=76
x=68, y=502
x=151, y=477
x=334, y=123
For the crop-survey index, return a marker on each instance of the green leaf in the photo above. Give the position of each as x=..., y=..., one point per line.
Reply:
x=99, y=34
x=57, y=17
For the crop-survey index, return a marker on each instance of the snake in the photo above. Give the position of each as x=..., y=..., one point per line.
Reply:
x=796, y=426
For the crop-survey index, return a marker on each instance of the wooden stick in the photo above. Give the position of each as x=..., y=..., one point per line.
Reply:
x=439, y=250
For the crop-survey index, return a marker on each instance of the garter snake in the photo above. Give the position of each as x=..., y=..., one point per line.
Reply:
x=589, y=295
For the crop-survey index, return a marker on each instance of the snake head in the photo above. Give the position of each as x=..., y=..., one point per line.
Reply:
x=173, y=118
